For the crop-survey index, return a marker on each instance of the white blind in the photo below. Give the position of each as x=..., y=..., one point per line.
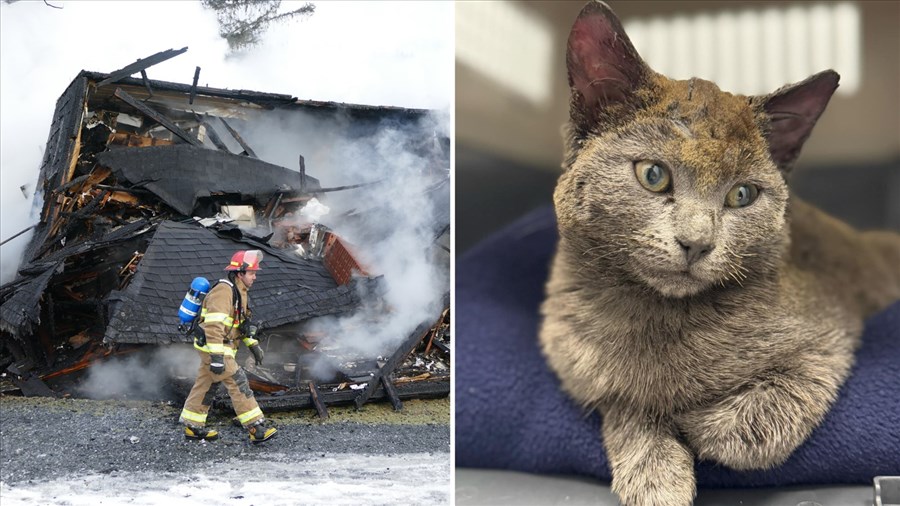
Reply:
x=755, y=51
x=507, y=44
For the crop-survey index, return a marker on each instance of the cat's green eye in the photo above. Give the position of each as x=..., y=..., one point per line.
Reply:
x=652, y=176
x=741, y=195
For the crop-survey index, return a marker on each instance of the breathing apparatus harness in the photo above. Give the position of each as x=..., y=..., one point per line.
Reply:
x=190, y=311
x=237, y=314
x=194, y=330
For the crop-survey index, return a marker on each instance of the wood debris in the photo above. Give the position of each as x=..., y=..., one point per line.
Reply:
x=105, y=202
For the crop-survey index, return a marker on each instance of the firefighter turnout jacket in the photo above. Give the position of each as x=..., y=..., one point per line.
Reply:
x=221, y=320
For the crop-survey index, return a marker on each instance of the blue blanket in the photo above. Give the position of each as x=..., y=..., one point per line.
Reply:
x=510, y=413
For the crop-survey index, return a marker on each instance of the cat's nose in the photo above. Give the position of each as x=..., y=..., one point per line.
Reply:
x=694, y=250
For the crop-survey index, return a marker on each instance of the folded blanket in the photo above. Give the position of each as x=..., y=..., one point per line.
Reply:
x=510, y=413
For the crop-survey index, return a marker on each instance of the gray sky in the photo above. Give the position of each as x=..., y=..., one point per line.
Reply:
x=376, y=53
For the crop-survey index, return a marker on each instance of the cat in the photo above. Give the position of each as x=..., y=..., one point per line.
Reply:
x=705, y=311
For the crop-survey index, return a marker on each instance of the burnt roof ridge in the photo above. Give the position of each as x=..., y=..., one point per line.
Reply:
x=20, y=312
x=248, y=95
x=265, y=99
x=283, y=254
x=180, y=174
x=121, y=233
x=57, y=156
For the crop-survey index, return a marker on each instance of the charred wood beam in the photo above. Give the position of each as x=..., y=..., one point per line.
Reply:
x=408, y=345
x=146, y=126
x=272, y=206
x=146, y=83
x=194, y=85
x=70, y=184
x=302, y=174
x=443, y=347
x=116, y=219
x=442, y=232
x=302, y=400
x=316, y=399
x=32, y=386
x=16, y=235
x=138, y=191
x=35, y=268
x=21, y=365
x=140, y=65
x=9, y=288
x=238, y=138
x=431, y=336
x=70, y=218
x=266, y=100
x=347, y=187
x=159, y=118
x=214, y=136
x=391, y=393
x=212, y=133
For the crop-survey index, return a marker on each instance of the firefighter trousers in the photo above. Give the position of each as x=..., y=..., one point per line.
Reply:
x=198, y=402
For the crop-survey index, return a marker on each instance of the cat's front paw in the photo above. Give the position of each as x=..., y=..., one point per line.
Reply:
x=758, y=429
x=640, y=488
x=659, y=494
x=658, y=474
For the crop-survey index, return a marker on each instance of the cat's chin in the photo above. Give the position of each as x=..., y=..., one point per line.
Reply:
x=677, y=284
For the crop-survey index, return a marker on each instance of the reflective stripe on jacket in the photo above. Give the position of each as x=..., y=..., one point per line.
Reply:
x=217, y=317
x=216, y=349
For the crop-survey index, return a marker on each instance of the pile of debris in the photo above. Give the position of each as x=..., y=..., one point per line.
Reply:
x=148, y=184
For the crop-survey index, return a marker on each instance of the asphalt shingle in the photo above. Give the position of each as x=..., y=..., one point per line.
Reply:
x=147, y=310
x=180, y=174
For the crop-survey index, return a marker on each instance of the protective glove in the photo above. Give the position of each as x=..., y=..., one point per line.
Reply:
x=247, y=327
x=217, y=364
x=257, y=353
x=199, y=336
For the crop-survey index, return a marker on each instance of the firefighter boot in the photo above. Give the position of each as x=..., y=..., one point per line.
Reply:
x=259, y=432
x=200, y=433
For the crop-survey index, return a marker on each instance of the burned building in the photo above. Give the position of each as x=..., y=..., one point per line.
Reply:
x=147, y=184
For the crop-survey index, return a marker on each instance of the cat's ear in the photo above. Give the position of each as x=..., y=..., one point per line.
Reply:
x=604, y=68
x=792, y=112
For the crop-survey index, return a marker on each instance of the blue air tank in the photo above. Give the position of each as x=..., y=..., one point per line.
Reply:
x=190, y=306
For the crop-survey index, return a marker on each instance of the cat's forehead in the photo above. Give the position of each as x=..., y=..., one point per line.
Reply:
x=719, y=133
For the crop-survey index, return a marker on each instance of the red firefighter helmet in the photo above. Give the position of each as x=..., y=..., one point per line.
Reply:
x=245, y=260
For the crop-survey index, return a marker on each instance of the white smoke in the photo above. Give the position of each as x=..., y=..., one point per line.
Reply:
x=377, y=53
x=146, y=374
x=392, y=228
x=63, y=42
x=394, y=234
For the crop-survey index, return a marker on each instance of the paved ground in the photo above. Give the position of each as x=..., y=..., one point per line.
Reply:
x=53, y=450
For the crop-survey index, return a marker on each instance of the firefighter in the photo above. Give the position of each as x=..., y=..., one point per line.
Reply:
x=225, y=318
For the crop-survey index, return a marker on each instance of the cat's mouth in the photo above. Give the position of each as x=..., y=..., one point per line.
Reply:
x=680, y=282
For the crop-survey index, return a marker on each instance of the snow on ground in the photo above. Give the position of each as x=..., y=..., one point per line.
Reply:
x=416, y=478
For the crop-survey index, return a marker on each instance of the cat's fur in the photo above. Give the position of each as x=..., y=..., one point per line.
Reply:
x=737, y=356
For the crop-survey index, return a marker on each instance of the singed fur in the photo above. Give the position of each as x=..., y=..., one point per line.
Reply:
x=737, y=357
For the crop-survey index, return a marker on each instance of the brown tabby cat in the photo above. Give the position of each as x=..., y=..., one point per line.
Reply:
x=701, y=308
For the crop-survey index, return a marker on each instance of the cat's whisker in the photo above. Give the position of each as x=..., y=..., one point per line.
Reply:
x=653, y=344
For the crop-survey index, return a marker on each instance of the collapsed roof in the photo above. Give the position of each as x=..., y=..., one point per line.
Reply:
x=290, y=288
x=180, y=175
x=143, y=183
